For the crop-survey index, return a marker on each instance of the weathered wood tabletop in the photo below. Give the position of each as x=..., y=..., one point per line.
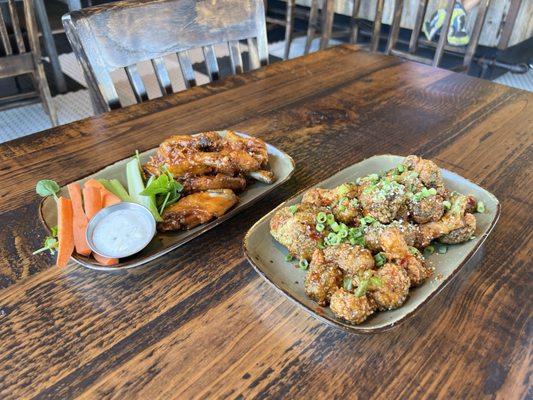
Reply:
x=199, y=322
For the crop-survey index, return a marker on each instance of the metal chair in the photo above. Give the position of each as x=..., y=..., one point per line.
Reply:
x=20, y=60
x=119, y=35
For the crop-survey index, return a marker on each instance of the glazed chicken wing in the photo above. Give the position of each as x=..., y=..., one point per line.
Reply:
x=196, y=209
x=208, y=154
x=212, y=182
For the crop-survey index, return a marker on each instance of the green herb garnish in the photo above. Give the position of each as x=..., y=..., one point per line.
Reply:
x=320, y=227
x=47, y=187
x=289, y=257
x=293, y=209
x=166, y=190
x=303, y=264
x=51, y=243
x=447, y=205
x=480, y=207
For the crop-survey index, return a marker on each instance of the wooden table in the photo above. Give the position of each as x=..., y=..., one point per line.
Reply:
x=200, y=322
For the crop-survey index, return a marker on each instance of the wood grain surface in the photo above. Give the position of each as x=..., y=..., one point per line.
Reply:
x=199, y=323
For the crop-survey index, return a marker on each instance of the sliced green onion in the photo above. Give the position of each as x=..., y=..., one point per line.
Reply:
x=432, y=191
x=343, y=189
x=303, y=264
x=414, y=251
x=429, y=250
x=380, y=259
x=447, y=205
x=400, y=168
x=289, y=257
x=347, y=284
x=321, y=246
x=362, y=221
x=480, y=207
x=361, y=289
x=370, y=219
x=321, y=217
x=375, y=281
x=320, y=227
x=343, y=233
x=354, y=202
x=342, y=208
x=330, y=219
x=293, y=209
x=335, y=227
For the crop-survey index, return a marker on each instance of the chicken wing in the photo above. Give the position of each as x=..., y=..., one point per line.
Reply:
x=196, y=209
x=208, y=153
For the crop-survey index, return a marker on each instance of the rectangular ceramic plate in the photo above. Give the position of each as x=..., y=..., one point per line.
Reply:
x=268, y=257
x=281, y=164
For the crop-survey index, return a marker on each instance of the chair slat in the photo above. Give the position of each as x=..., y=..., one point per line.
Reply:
x=236, y=57
x=253, y=53
x=162, y=76
x=186, y=69
x=311, y=26
x=16, y=26
x=211, y=63
x=421, y=13
x=4, y=35
x=136, y=83
x=395, y=27
x=443, y=39
x=328, y=13
x=289, y=27
x=376, y=30
x=354, y=28
x=476, y=32
x=508, y=24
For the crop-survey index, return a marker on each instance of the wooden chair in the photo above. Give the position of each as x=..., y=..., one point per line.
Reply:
x=119, y=35
x=441, y=45
x=20, y=60
x=288, y=23
x=326, y=23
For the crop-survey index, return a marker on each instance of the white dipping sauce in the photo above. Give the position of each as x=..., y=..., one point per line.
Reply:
x=122, y=233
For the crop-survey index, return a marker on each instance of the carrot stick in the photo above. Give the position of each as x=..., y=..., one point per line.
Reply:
x=95, y=183
x=104, y=260
x=108, y=199
x=93, y=201
x=80, y=220
x=65, y=232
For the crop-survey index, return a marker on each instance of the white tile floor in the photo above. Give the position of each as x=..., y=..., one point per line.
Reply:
x=73, y=106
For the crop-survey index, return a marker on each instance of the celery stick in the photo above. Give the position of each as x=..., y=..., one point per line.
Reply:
x=136, y=186
x=115, y=187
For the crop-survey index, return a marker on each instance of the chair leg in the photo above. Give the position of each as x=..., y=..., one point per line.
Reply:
x=328, y=11
x=311, y=28
x=50, y=46
x=354, y=28
x=289, y=27
x=44, y=92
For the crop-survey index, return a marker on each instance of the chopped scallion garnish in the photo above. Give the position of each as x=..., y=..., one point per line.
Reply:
x=289, y=257
x=303, y=264
x=293, y=209
x=380, y=259
x=321, y=217
x=320, y=227
x=480, y=207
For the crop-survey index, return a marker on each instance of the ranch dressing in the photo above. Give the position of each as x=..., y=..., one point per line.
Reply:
x=122, y=232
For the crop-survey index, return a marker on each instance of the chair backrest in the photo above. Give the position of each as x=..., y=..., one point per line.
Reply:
x=119, y=35
x=441, y=45
x=20, y=58
x=17, y=59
